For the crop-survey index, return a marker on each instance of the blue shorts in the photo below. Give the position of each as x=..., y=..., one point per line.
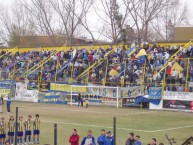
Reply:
x=10, y=133
x=20, y=133
x=28, y=132
x=2, y=136
x=36, y=132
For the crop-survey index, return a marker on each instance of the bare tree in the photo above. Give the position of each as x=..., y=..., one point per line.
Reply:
x=70, y=15
x=15, y=23
x=175, y=13
x=42, y=14
x=143, y=12
x=113, y=16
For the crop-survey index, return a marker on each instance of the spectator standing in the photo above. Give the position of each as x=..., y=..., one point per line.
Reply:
x=89, y=139
x=9, y=104
x=74, y=138
x=102, y=138
x=130, y=140
x=109, y=139
x=86, y=102
x=79, y=100
x=137, y=140
x=180, y=77
x=1, y=104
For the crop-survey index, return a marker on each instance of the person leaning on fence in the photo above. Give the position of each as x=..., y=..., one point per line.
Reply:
x=102, y=138
x=89, y=139
x=130, y=140
x=9, y=104
x=1, y=104
x=74, y=138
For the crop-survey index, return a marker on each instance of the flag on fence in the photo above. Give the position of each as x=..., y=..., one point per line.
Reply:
x=177, y=67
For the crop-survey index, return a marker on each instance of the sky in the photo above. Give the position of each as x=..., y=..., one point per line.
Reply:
x=188, y=2
x=92, y=22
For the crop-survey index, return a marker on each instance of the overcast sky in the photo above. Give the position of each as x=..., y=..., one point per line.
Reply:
x=92, y=22
x=8, y=3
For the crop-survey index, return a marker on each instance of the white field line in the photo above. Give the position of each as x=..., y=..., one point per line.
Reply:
x=88, y=111
x=95, y=126
x=100, y=126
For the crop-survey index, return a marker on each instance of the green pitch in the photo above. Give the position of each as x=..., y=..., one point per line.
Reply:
x=148, y=124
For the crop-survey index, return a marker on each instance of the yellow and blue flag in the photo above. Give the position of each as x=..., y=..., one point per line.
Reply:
x=74, y=53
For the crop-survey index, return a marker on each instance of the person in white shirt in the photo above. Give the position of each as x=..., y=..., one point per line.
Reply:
x=174, y=73
x=180, y=77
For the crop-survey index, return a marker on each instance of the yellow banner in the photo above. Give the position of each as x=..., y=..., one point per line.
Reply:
x=4, y=92
x=66, y=88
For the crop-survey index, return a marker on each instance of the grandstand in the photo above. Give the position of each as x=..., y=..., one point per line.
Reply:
x=154, y=76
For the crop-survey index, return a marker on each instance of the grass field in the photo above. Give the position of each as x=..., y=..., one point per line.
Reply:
x=146, y=123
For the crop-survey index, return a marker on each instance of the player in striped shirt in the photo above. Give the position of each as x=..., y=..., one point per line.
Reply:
x=28, y=127
x=2, y=130
x=11, y=129
x=20, y=130
x=36, y=127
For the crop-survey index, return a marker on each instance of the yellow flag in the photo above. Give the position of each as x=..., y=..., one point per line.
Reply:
x=177, y=67
x=113, y=72
x=142, y=52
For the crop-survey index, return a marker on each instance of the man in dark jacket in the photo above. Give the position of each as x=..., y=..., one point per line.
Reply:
x=1, y=104
x=102, y=138
x=8, y=104
x=74, y=138
x=130, y=140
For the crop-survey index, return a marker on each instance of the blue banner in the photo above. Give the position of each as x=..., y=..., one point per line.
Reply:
x=52, y=97
x=7, y=84
x=155, y=93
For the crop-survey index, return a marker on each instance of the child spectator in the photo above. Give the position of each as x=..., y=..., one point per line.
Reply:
x=74, y=138
x=109, y=139
x=102, y=138
x=89, y=139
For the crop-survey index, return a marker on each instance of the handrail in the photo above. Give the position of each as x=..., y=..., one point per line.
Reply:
x=37, y=66
x=99, y=61
x=173, y=56
x=8, y=52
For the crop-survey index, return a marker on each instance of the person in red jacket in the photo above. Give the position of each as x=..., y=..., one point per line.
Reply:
x=74, y=138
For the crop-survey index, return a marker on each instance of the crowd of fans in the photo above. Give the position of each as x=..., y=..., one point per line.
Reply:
x=130, y=70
